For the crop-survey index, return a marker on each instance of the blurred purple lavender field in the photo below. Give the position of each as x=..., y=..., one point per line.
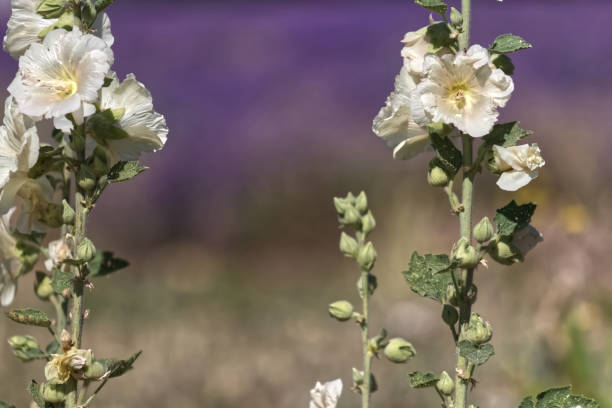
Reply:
x=270, y=108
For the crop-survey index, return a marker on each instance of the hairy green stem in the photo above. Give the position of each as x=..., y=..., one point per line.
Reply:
x=367, y=355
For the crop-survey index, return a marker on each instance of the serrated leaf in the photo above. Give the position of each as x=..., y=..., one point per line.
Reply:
x=448, y=154
x=424, y=275
x=477, y=354
x=513, y=217
x=119, y=367
x=105, y=263
x=506, y=135
x=437, y=6
x=418, y=379
x=61, y=281
x=559, y=398
x=507, y=43
x=6, y=405
x=123, y=171
x=439, y=35
x=504, y=63
x=30, y=317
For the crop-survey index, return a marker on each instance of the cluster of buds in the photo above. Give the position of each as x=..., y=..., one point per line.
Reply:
x=477, y=331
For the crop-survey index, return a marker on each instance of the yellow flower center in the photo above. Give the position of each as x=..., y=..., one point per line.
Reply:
x=67, y=88
x=459, y=94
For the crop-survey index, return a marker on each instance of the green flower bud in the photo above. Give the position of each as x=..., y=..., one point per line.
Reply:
x=53, y=393
x=449, y=315
x=99, y=162
x=52, y=216
x=361, y=202
x=86, y=178
x=477, y=330
x=451, y=295
x=43, y=287
x=341, y=310
x=86, y=250
x=25, y=348
x=94, y=370
x=68, y=213
x=367, y=256
x=465, y=254
x=358, y=377
x=456, y=18
x=341, y=205
x=437, y=177
x=368, y=223
x=372, y=285
x=483, y=231
x=350, y=199
x=351, y=216
x=399, y=350
x=504, y=252
x=445, y=384
x=348, y=245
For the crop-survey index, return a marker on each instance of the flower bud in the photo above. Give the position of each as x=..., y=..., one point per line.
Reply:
x=483, y=231
x=456, y=18
x=52, y=216
x=368, y=223
x=451, y=295
x=361, y=202
x=341, y=310
x=86, y=178
x=86, y=250
x=348, y=245
x=449, y=315
x=399, y=350
x=99, y=162
x=504, y=252
x=358, y=378
x=25, y=348
x=477, y=330
x=68, y=214
x=66, y=340
x=372, y=285
x=94, y=370
x=341, y=205
x=445, y=384
x=351, y=216
x=367, y=257
x=53, y=393
x=437, y=177
x=465, y=254
x=44, y=290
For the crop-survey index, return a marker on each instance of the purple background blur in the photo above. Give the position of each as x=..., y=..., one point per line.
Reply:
x=269, y=108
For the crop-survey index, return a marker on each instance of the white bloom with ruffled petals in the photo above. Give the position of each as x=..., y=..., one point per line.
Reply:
x=59, y=251
x=146, y=128
x=326, y=395
x=518, y=164
x=464, y=90
x=62, y=75
x=10, y=265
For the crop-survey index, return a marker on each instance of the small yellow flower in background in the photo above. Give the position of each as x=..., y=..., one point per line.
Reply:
x=574, y=218
x=63, y=366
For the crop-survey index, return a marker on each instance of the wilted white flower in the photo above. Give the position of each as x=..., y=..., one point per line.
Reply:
x=59, y=250
x=19, y=146
x=326, y=395
x=10, y=265
x=62, y=75
x=394, y=123
x=26, y=24
x=464, y=90
x=518, y=164
x=63, y=366
x=146, y=128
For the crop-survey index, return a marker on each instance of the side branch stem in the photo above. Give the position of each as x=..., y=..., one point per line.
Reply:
x=367, y=355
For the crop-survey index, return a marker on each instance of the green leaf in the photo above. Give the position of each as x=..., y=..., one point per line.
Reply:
x=61, y=281
x=439, y=35
x=51, y=8
x=102, y=4
x=119, y=367
x=418, y=379
x=424, y=275
x=6, y=405
x=559, y=398
x=30, y=317
x=53, y=347
x=513, y=217
x=477, y=354
x=504, y=63
x=104, y=263
x=506, y=135
x=34, y=390
x=449, y=155
x=507, y=43
x=28, y=255
x=102, y=127
x=123, y=171
x=437, y=6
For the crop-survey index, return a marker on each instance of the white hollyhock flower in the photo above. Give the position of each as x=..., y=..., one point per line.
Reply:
x=10, y=265
x=326, y=395
x=146, y=128
x=25, y=25
x=62, y=75
x=19, y=147
x=394, y=123
x=416, y=45
x=464, y=90
x=59, y=250
x=518, y=164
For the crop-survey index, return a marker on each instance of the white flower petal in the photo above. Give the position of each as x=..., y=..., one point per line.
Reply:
x=513, y=180
x=326, y=395
x=24, y=26
x=7, y=293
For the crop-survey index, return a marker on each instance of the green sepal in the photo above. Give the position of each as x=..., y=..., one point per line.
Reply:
x=104, y=263
x=503, y=62
x=437, y=6
x=418, y=379
x=425, y=276
x=51, y=8
x=30, y=317
x=507, y=43
x=125, y=170
x=559, y=398
x=513, y=217
x=34, y=390
x=101, y=126
x=476, y=354
x=119, y=367
x=61, y=281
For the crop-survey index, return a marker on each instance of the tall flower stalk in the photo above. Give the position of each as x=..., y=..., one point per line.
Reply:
x=101, y=127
